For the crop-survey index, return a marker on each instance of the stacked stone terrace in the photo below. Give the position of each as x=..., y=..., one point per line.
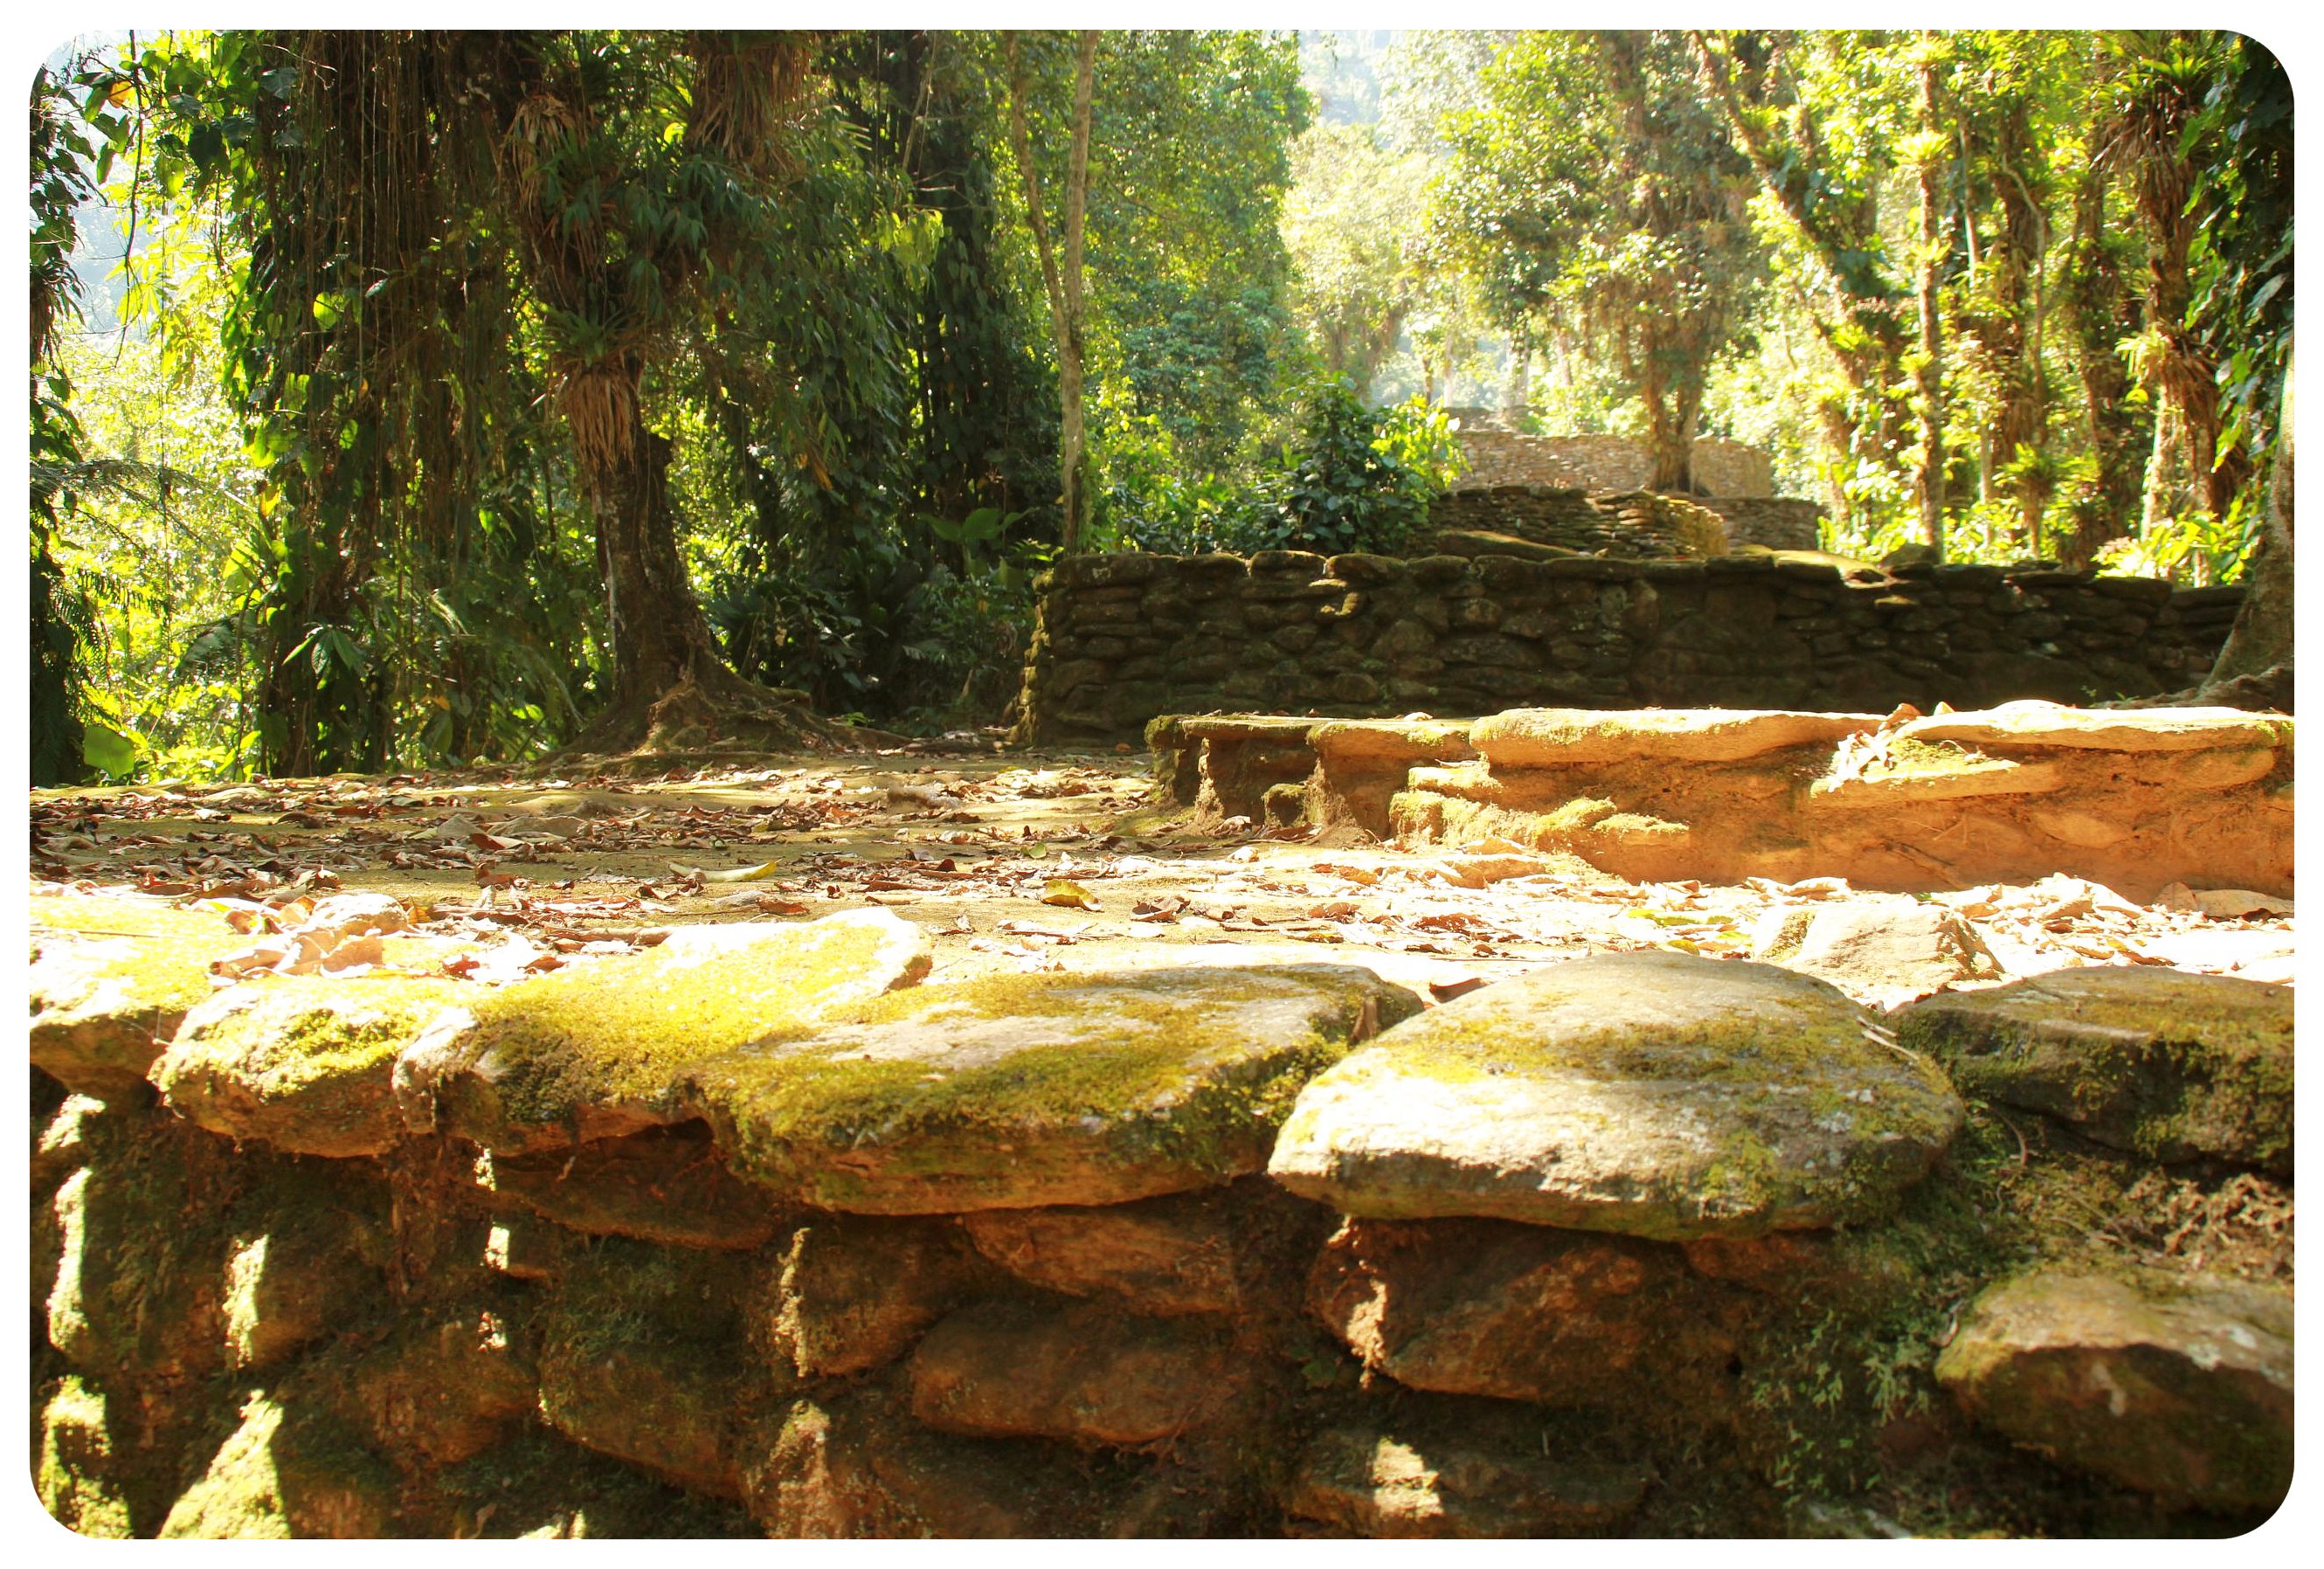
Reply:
x=2135, y=799
x=1123, y=638
x=1498, y=455
x=754, y=1232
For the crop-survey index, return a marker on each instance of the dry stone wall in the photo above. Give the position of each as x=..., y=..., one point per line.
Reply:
x=1124, y=639
x=1501, y=456
x=1636, y=525
x=753, y=1232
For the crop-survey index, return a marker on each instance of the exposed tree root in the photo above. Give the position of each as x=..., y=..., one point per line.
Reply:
x=2268, y=689
x=723, y=713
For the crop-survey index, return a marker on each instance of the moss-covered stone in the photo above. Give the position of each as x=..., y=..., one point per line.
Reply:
x=445, y=1387
x=2182, y=1392
x=291, y=1470
x=140, y=1283
x=600, y=1050
x=1167, y=1256
x=305, y=1063
x=1020, y=1091
x=2169, y=1065
x=1653, y=1094
x=305, y=1260
x=1458, y=1474
x=70, y=1138
x=853, y=1292
x=111, y=979
x=1381, y=743
x=856, y=1465
x=537, y=1483
x=79, y=1465
x=642, y=1359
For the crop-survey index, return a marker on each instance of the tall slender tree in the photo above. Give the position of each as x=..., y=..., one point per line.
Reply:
x=2159, y=94
x=60, y=156
x=1929, y=367
x=1063, y=278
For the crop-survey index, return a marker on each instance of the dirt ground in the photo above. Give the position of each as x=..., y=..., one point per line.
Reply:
x=1012, y=861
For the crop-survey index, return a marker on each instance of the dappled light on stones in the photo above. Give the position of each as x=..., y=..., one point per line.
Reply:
x=1417, y=784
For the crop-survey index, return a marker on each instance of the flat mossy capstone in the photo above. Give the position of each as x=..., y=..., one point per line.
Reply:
x=305, y=1062
x=1651, y=1093
x=1385, y=741
x=600, y=1050
x=2167, y=1064
x=111, y=979
x=2033, y=721
x=2185, y=1393
x=1561, y=737
x=1019, y=1090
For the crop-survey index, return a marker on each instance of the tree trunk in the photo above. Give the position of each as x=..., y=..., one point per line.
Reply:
x=2182, y=375
x=2098, y=314
x=2255, y=666
x=1063, y=284
x=2021, y=414
x=1069, y=378
x=1670, y=430
x=1928, y=376
x=2261, y=638
x=658, y=634
x=1859, y=319
x=671, y=689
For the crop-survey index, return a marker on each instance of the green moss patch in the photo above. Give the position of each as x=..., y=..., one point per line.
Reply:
x=111, y=979
x=288, y=1471
x=76, y=1469
x=545, y=1054
x=1044, y=1089
x=2171, y=1065
x=304, y=1063
x=642, y=1358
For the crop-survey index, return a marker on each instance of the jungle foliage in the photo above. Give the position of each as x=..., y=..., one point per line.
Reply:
x=470, y=395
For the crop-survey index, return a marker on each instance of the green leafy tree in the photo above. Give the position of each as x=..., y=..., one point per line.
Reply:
x=1594, y=184
x=61, y=182
x=1353, y=225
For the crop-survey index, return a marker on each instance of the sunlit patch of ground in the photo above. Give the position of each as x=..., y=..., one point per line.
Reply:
x=1017, y=862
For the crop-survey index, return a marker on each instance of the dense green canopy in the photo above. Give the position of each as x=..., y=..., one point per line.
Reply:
x=476, y=394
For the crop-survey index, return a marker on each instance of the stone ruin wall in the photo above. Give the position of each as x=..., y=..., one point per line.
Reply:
x=1124, y=639
x=1496, y=457
x=717, y=1239
x=1633, y=524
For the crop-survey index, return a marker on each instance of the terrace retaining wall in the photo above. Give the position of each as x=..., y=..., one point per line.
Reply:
x=1123, y=638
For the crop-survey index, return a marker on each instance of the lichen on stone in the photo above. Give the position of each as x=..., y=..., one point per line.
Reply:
x=1012, y=1087
x=602, y=1049
x=111, y=979
x=303, y=1062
